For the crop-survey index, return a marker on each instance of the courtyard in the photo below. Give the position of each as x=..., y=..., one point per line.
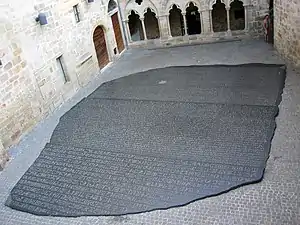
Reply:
x=275, y=200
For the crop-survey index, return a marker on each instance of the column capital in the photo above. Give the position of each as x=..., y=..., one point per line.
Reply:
x=163, y=15
x=183, y=14
x=142, y=18
x=227, y=8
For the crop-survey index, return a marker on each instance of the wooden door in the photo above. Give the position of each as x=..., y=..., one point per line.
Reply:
x=117, y=31
x=100, y=47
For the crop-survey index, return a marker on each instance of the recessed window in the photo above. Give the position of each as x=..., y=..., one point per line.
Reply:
x=76, y=13
x=1, y=63
x=239, y=14
x=62, y=69
x=139, y=1
x=112, y=5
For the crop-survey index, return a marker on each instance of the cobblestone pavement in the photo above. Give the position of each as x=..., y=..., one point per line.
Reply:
x=275, y=200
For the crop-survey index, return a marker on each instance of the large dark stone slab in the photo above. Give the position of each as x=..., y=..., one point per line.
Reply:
x=127, y=149
x=251, y=84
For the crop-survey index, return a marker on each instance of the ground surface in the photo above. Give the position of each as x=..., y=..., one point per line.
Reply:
x=273, y=201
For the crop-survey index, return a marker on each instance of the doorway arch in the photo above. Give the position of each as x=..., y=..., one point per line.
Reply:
x=219, y=17
x=193, y=19
x=135, y=27
x=100, y=47
x=237, y=15
x=151, y=25
x=176, y=21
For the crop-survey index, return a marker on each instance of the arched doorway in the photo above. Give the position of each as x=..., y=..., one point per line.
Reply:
x=193, y=19
x=151, y=25
x=176, y=22
x=100, y=47
x=112, y=6
x=237, y=15
x=219, y=17
x=135, y=27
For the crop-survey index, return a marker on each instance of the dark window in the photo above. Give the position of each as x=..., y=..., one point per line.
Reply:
x=139, y=1
x=112, y=5
x=0, y=63
x=61, y=68
x=239, y=14
x=76, y=13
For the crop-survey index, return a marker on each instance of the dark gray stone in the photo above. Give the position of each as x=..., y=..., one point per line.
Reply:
x=136, y=152
x=249, y=84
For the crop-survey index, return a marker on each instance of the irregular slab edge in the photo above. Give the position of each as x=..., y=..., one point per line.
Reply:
x=282, y=69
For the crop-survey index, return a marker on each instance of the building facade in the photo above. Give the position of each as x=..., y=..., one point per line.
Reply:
x=168, y=22
x=49, y=49
x=41, y=66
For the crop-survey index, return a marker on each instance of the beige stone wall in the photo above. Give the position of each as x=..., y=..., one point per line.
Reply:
x=31, y=85
x=287, y=29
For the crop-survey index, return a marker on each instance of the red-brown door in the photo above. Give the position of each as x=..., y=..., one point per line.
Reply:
x=100, y=47
x=117, y=31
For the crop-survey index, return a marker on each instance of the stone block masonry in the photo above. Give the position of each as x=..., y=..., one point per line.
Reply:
x=32, y=83
x=287, y=29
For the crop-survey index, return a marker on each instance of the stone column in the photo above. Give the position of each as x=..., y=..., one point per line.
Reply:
x=159, y=25
x=164, y=26
x=206, y=27
x=211, y=21
x=246, y=17
x=185, y=25
x=228, y=19
x=127, y=31
x=144, y=29
x=3, y=156
x=201, y=22
x=169, y=26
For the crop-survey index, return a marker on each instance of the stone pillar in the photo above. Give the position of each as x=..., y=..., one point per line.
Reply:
x=3, y=156
x=164, y=26
x=246, y=17
x=228, y=19
x=169, y=26
x=185, y=25
x=206, y=26
x=211, y=21
x=201, y=21
x=144, y=29
x=159, y=25
x=127, y=31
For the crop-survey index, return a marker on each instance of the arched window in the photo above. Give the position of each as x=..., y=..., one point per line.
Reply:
x=135, y=27
x=219, y=17
x=112, y=5
x=193, y=19
x=237, y=15
x=151, y=25
x=176, y=22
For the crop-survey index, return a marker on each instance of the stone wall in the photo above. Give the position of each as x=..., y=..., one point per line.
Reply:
x=287, y=29
x=31, y=84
